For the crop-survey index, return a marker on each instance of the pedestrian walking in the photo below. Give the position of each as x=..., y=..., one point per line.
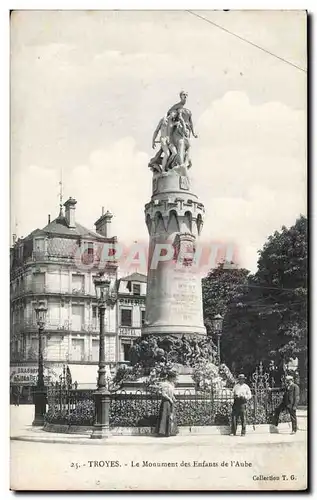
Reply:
x=241, y=395
x=289, y=403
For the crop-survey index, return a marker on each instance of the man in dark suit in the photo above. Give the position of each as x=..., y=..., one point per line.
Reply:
x=289, y=403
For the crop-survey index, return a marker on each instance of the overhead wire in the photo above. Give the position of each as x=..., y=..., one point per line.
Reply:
x=247, y=41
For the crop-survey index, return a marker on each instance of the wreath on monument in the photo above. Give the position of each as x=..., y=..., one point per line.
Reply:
x=154, y=356
x=208, y=376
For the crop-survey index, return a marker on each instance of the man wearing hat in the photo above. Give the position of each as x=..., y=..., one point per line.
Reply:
x=289, y=403
x=241, y=395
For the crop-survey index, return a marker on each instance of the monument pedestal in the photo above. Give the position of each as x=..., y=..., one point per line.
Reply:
x=174, y=219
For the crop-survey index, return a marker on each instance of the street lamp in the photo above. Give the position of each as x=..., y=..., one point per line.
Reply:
x=102, y=395
x=40, y=394
x=217, y=329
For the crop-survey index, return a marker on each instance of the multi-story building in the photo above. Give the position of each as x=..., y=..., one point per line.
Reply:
x=57, y=264
x=130, y=310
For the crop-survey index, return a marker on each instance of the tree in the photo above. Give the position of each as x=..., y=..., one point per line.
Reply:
x=265, y=315
x=270, y=320
x=282, y=278
x=222, y=286
x=225, y=292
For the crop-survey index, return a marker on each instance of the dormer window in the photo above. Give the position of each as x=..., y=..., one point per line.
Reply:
x=39, y=245
x=136, y=289
x=88, y=257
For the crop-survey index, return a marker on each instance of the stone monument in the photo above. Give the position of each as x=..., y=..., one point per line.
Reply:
x=174, y=218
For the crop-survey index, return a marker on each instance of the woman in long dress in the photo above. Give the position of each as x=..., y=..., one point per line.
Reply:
x=166, y=425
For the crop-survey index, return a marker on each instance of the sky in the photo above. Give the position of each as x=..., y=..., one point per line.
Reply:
x=89, y=87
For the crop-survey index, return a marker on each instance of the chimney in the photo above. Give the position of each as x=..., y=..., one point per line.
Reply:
x=70, y=212
x=49, y=219
x=103, y=224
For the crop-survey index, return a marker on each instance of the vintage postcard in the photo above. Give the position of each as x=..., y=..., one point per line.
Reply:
x=158, y=255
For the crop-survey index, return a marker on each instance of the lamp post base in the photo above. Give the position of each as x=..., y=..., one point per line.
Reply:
x=39, y=408
x=100, y=432
x=102, y=405
x=38, y=421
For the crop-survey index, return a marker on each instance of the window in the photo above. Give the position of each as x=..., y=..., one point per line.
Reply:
x=126, y=350
x=126, y=317
x=39, y=245
x=54, y=348
x=142, y=317
x=78, y=283
x=94, y=312
x=38, y=282
x=78, y=315
x=78, y=350
x=33, y=350
x=136, y=289
x=95, y=350
x=88, y=255
x=90, y=249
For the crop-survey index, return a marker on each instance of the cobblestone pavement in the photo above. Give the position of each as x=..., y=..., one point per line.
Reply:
x=195, y=462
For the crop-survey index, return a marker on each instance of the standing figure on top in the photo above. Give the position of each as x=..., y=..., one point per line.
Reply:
x=187, y=115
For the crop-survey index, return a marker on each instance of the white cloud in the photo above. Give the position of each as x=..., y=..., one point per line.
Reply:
x=117, y=178
x=253, y=163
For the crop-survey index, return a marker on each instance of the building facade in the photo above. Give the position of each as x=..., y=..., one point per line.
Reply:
x=57, y=265
x=130, y=311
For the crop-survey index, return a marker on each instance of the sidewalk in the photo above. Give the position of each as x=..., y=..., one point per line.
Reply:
x=22, y=430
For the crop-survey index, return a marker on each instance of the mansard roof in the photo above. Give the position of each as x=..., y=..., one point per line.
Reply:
x=142, y=278
x=59, y=227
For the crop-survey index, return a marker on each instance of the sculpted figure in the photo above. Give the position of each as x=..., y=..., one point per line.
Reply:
x=175, y=129
x=164, y=126
x=180, y=140
x=187, y=115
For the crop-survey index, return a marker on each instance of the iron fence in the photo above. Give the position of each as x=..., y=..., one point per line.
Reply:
x=70, y=406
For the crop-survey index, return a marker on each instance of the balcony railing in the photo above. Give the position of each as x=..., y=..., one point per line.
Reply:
x=44, y=256
x=32, y=355
x=75, y=256
x=33, y=288
x=29, y=325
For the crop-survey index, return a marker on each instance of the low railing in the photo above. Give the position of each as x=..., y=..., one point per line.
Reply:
x=69, y=406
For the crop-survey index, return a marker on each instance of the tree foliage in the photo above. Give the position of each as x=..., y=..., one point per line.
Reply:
x=282, y=275
x=265, y=314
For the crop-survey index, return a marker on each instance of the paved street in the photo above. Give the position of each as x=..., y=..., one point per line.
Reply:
x=258, y=461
